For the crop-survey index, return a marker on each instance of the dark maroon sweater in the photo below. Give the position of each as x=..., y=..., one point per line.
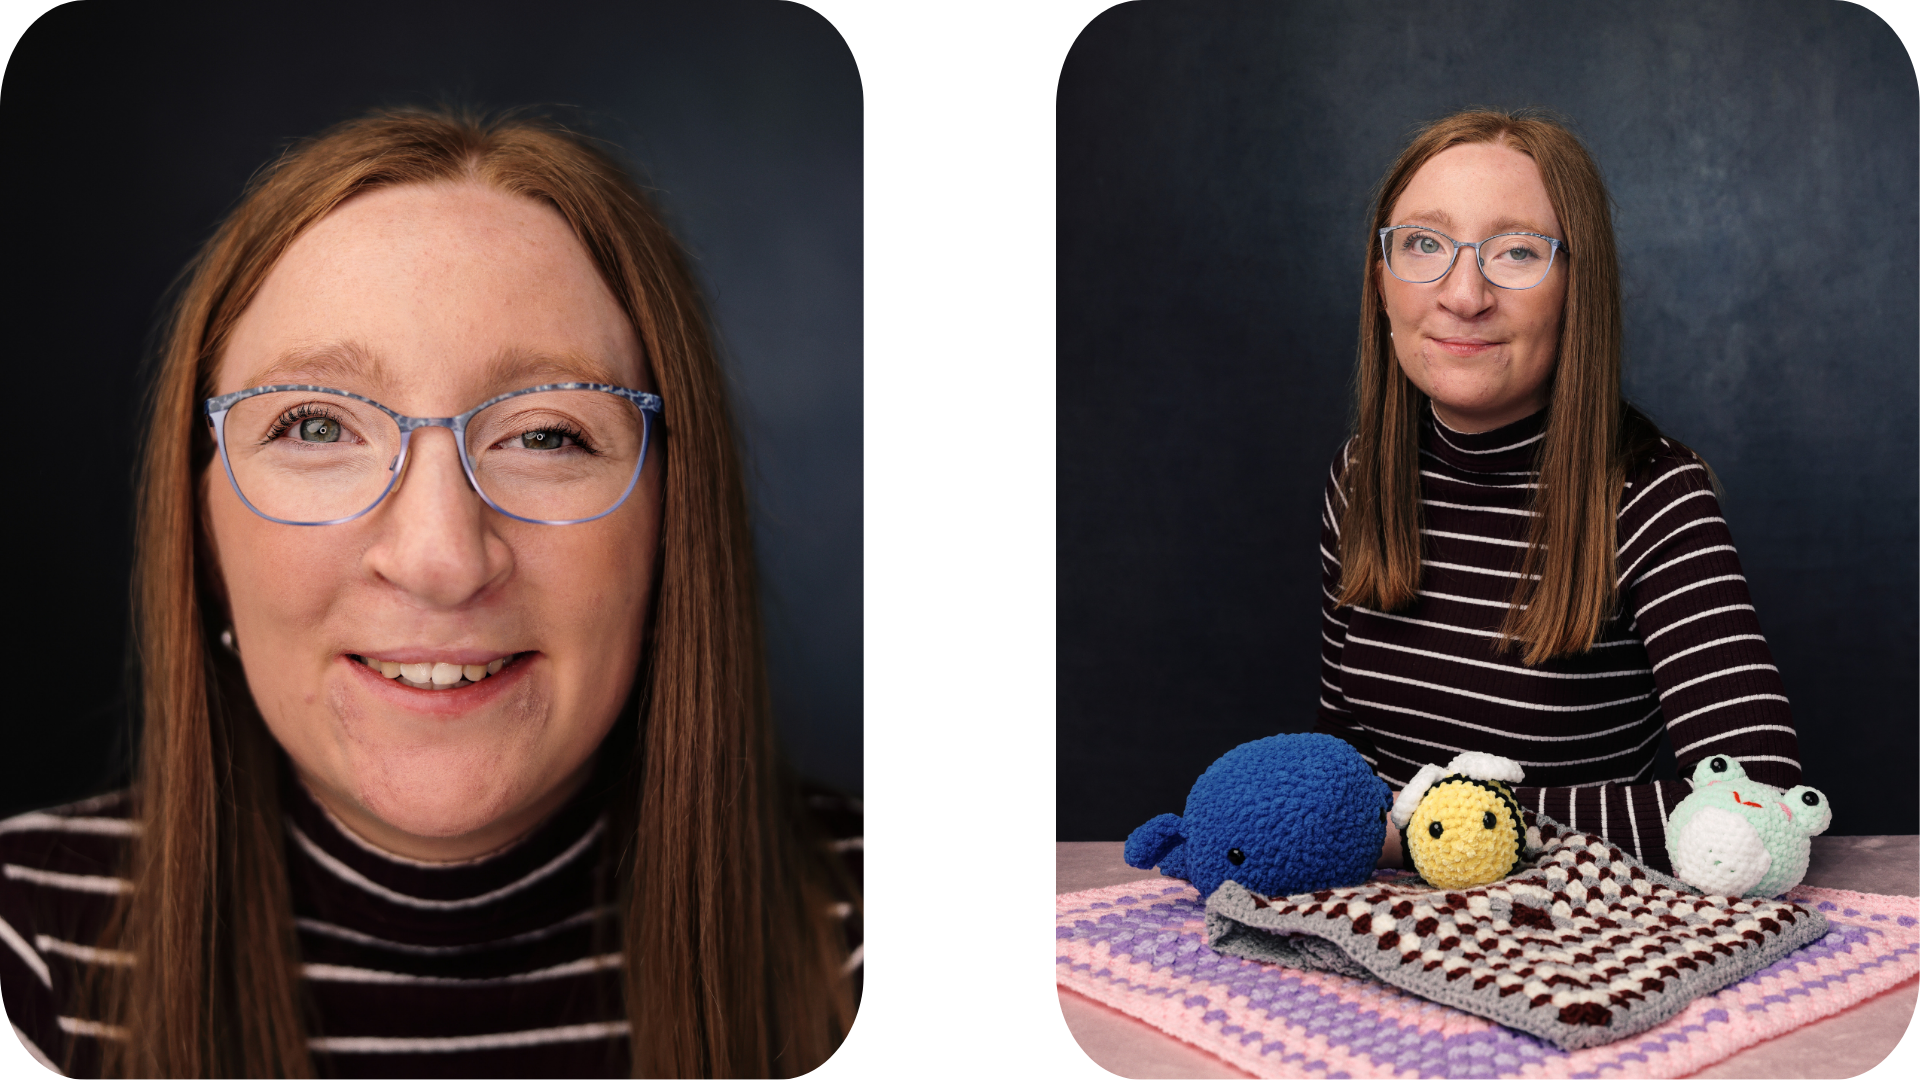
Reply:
x=507, y=965
x=1683, y=655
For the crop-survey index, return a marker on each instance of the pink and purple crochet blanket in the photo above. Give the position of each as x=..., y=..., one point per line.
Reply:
x=1141, y=948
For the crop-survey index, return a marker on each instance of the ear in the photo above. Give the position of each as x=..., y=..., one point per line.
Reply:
x=1150, y=844
x=1810, y=809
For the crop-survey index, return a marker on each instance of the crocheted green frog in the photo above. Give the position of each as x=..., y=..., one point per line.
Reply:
x=1734, y=836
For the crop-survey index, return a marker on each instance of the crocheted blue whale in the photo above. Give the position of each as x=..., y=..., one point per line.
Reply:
x=1281, y=815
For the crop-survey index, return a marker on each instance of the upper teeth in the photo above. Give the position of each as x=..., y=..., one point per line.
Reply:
x=435, y=676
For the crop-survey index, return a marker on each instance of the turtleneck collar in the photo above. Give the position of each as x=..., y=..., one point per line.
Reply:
x=1504, y=449
x=343, y=880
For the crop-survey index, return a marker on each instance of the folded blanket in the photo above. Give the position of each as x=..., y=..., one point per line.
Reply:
x=1580, y=948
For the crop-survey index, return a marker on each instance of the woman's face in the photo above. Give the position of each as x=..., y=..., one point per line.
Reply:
x=1483, y=354
x=430, y=299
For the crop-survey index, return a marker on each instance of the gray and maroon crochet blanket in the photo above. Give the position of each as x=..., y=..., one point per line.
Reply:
x=1582, y=946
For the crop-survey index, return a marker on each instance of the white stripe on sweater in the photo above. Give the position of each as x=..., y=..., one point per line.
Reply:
x=1677, y=623
x=1674, y=723
x=1479, y=539
x=108, y=886
x=1491, y=698
x=342, y=974
x=1688, y=587
x=86, y=954
x=373, y=1044
x=1481, y=509
x=1642, y=493
x=342, y=933
x=1638, y=559
x=1707, y=645
x=1513, y=669
x=1715, y=675
x=32, y=959
x=1660, y=513
x=1670, y=563
x=350, y=875
x=1731, y=734
x=44, y=822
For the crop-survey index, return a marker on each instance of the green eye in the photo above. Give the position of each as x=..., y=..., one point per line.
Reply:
x=543, y=440
x=319, y=429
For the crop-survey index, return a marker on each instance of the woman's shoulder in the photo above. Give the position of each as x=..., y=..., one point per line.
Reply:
x=60, y=868
x=1662, y=471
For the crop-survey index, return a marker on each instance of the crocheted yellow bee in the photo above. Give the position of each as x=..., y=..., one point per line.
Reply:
x=1460, y=825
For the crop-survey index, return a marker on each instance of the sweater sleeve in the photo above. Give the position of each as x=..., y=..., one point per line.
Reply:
x=1719, y=691
x=1334, y=717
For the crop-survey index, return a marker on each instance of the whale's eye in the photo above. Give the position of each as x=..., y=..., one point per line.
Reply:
x=1236, y=856
x=1486, y=819
x=1718, y=764
x=1810, y=798
x=1435, y=829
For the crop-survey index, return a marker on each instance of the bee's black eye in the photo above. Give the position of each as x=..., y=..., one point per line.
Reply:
x=1810, y=798
x=1487, y=820
x=1236, y=856
x=1718, y=764
x=1434, y=830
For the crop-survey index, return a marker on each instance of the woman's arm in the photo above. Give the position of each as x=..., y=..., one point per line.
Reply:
x=1719, y=691
x=1334, y=717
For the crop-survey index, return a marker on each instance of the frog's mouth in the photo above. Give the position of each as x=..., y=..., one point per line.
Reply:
x=1743, y=802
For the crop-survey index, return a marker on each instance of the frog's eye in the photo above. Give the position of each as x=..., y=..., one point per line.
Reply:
x=1810, y=798
x=1718, y=764
x=1435, y=829
x=1236, y=856
x=1487, y=820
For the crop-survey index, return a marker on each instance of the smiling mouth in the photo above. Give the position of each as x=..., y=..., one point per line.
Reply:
x=436, y=676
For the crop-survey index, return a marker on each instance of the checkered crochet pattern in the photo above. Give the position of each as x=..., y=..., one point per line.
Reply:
x=1584, y=948
x=1141, y=948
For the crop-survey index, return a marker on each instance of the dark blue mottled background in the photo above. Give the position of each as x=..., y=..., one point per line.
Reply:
x=1214, y=163
x=130, y=128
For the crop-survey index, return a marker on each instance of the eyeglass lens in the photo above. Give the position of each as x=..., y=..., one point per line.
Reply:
x=556, y=455
x=1510, y=260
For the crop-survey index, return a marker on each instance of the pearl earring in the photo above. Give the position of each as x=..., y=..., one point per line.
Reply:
x=226, y=638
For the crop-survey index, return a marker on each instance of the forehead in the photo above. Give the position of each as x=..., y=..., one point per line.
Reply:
x=431, y=297
x=1479, y=189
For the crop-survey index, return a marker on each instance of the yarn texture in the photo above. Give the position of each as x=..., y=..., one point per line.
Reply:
x=1464, y=833
x=1735, y=836
x=1586, y=947
x=1287, y=813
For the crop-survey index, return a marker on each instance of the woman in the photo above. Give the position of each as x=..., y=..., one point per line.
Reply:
x=456, y=757
x=1515, y=560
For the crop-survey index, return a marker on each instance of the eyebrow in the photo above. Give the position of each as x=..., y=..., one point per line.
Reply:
x=513, y=369
x=332, y=362
x=1502, y=225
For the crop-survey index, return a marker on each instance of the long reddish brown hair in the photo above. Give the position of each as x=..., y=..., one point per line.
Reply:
x=1567, y=590
x=733, y=964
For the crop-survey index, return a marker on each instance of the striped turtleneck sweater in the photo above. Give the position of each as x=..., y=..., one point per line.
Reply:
x=1683, y=655
x=507, y=965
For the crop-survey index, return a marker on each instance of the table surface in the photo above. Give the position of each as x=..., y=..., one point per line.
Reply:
x=1845, y=1044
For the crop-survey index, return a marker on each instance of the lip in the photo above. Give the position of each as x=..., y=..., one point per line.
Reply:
x=1464, y=346
x=440, y=704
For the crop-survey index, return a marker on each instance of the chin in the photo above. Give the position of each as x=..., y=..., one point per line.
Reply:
x=440, y=793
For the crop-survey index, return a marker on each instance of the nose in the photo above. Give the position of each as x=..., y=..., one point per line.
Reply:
x=435, y=540
x=1465, y=292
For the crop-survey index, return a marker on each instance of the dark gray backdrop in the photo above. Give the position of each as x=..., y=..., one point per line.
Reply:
x=1214, y=163
x=130, y=128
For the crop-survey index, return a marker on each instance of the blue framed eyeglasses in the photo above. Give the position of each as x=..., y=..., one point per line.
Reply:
x=1514, y=260
x=555, y=454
